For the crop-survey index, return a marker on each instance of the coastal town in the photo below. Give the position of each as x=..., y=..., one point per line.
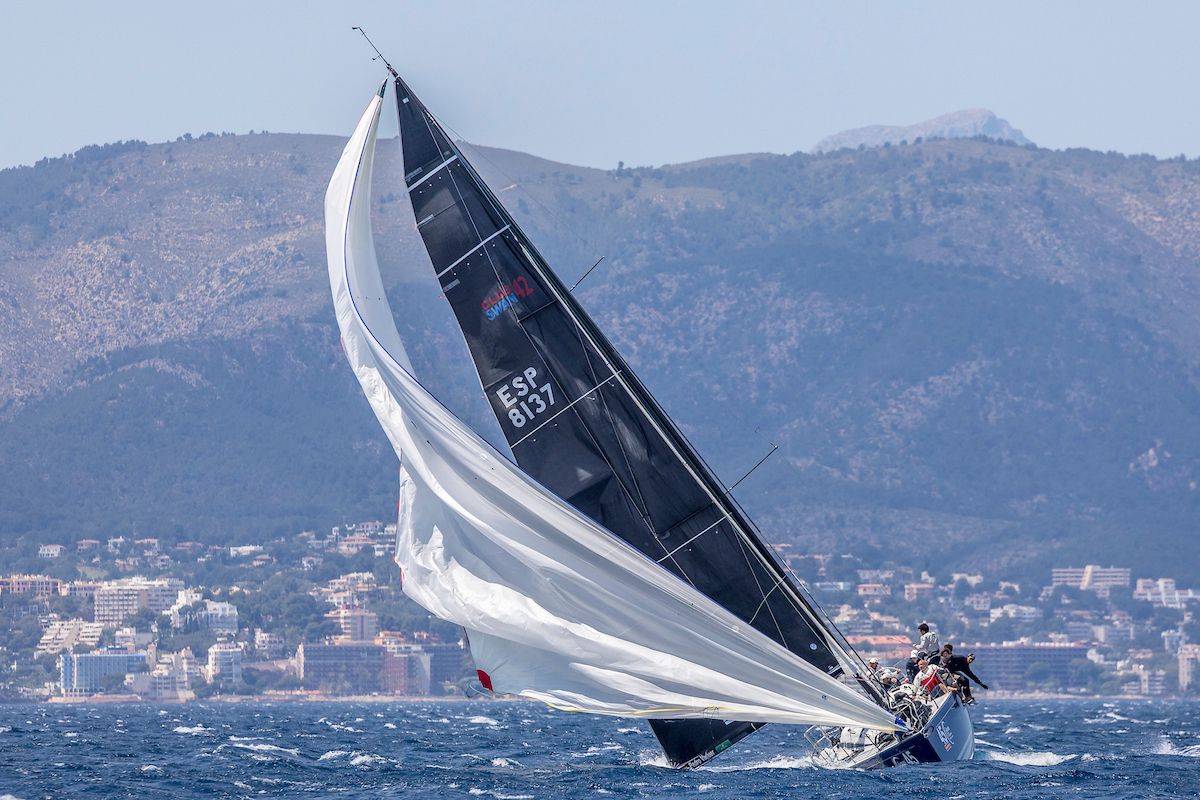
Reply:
x=314, y=616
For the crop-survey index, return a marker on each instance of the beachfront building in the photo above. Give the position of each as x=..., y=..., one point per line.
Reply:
x=82, y=674
x=224, y=664
x=342, y=667
x=1008, y=666
x=1189, y=666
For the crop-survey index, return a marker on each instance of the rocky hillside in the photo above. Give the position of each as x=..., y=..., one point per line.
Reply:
x=978, y=352
x=966, y=124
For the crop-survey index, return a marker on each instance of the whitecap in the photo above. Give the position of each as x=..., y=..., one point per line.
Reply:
x=1013, y=729
x=263, y=747
x=391, y=726
x=333, y=754
x=151, y=768
x=653, y=758
x=483, y=721
x=193, y=729
x=70, y=734
x=775, y=762
x=706, y=787
x=366, y=759
x=1167, y=748
x=1028, y=758
x=504, y=762
x=629, y=730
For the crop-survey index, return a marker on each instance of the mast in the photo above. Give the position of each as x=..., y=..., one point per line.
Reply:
x=579, y=420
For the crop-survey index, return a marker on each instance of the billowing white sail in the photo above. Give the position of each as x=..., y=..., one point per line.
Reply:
x=556, y=608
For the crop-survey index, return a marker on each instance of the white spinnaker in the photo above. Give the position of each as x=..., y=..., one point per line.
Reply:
x=556, y=608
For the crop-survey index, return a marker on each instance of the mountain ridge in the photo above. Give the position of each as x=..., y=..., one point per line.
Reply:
x=973, y=340
x=965, y=124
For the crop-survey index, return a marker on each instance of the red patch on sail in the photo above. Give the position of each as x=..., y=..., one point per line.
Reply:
x=484, y=679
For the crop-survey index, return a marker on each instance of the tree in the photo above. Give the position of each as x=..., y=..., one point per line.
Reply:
x=1084, y=674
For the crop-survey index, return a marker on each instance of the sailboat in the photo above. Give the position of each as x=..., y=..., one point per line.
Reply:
x=600, y=566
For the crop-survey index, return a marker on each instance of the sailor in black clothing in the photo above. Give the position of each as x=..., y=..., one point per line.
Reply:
x=961, y=668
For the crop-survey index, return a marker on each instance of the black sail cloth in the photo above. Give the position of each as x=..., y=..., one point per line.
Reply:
x=578, y=420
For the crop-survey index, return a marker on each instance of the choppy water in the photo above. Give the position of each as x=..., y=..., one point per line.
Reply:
x=511, y=751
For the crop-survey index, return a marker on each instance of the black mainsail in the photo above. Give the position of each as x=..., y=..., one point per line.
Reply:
x=578, y=419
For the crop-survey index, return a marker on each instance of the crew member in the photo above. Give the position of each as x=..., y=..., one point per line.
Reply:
x=960, y=667
x=927, y=645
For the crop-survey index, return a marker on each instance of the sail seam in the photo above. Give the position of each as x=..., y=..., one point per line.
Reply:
x=433, y=172
x=564, y=409
x=473, y=249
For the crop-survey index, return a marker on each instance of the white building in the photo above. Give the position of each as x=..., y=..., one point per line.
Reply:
x=117, y=600
x=268, y=645
x=211, y=615
x=1092, y=577
x=50, y=551
x=1019, y=613
x=357, y=624
x=1189, y=659
x=224, y=664
x=65, y=634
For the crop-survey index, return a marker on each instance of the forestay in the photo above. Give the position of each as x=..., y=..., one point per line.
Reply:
x=556, y=608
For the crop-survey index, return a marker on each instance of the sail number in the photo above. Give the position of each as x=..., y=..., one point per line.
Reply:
x=523, y=399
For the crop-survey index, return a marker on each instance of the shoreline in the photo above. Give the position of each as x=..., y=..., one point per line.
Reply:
x=308, y=697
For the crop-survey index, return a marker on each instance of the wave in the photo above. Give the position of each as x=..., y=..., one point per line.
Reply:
x=775, y=762
x=483, y=721
x=263, y=747
x=1027, y=758
x=1168, y=748
x=367, y=759
x=194, y=730
x=653, y=758
x=332, y=755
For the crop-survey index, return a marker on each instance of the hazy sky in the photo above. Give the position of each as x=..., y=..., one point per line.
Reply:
x=593, y=83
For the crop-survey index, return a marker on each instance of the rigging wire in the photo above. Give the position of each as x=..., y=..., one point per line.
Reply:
x=378, y=55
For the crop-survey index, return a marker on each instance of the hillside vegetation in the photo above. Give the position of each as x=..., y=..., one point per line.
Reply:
x=983, y=353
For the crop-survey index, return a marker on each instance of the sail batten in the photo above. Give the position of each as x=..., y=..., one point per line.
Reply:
x=557, y=608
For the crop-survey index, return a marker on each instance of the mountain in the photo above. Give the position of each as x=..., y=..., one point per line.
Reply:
x=971, y=354
x=966, y=124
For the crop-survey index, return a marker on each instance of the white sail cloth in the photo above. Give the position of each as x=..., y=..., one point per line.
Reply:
x=556, y=608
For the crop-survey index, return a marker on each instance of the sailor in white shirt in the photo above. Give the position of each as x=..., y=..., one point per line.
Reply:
x=928, y=643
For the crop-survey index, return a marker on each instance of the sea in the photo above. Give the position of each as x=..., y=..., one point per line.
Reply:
x=523, y=751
